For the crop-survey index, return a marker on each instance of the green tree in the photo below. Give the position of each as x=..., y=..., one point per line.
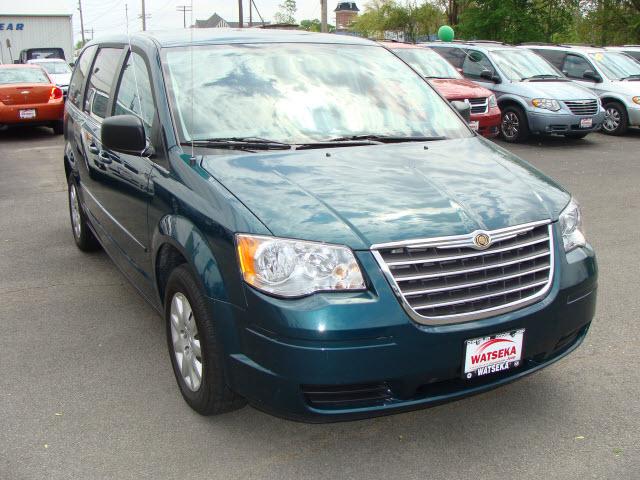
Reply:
x=287, y=12
x=315, y=26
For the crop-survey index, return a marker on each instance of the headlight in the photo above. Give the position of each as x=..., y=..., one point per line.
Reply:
x=571, y=226
x=546, y=104
x=293, y=268
x=492, y=101
x=636, y=100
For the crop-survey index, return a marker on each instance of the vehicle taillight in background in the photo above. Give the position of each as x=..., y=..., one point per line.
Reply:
x=56, y=93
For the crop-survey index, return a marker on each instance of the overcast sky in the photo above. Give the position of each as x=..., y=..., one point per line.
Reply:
x=108, y=16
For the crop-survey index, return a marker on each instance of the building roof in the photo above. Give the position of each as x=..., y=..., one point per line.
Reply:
x=216, y=21
x=222, y=36
x=33, y=8
x=347, y=6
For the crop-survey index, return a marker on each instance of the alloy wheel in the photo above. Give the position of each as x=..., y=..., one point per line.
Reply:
x=510, y=125
x=76, y=220
x=186, y=342
x=611, y=119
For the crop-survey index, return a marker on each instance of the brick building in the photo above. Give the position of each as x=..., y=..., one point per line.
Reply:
x=345, y=14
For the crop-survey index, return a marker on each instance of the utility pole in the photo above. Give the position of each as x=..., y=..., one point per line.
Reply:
x=81, y=20
x=144, y=17
x=184, y=9
x=240, y=16
x=251, y=13
x=323, y=16
x=90, y=30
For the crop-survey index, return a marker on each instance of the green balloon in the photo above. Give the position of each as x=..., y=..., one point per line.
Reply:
x=445, y=33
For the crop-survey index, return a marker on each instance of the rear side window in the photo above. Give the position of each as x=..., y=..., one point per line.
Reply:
x=134, y=95
x=22, y=75
x=634, y=54
x=475, y=63
x=101, y=79
x=79, y=74
x=554, y=57
x=575, y=66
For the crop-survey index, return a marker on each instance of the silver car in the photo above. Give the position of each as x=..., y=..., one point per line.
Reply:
x=613, y=76
x=533, y=95
x=57, y=69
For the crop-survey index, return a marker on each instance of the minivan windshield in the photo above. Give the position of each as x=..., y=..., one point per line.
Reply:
x=616, y=66
x=520, y=64
x=301, y=93
x=427, y=62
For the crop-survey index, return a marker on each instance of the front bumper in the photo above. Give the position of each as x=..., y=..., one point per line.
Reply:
x=362, y=352
x=634, y=115
x=560, y=123
x=488, y=122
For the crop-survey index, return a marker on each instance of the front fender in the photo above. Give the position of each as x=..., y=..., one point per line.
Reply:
x=186, y=238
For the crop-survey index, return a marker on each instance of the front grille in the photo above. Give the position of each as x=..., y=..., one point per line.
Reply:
x=449, y=279
x=346, y=396
x=479, y=105
x=582, y=107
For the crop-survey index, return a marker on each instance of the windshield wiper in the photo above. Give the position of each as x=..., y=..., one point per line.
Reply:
x=543, y=76
x=386, y=138
x=249, y=143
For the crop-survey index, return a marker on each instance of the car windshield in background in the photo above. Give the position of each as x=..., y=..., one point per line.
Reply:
x=55, y=68
x=22, y=75
x=427, y=62
x=520, y=64
x=616, y=66
x=301, y=93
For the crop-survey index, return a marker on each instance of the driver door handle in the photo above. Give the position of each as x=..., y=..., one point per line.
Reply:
x=93, y=148
x=104, y=157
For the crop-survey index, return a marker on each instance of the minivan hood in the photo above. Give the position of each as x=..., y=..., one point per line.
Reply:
x=556, y=90
x=360, y=196
x=458, y=88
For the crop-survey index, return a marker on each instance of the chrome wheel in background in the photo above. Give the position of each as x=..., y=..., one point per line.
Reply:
x=611, y=119
x=186, y=341
x=510, y=125
x=74, y=206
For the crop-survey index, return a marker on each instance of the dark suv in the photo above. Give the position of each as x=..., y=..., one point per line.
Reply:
x=322, y=233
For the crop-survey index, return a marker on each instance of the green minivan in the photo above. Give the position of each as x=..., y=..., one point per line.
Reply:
x=322, y=233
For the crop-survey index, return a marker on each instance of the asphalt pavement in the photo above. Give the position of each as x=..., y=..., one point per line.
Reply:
x=87, y=391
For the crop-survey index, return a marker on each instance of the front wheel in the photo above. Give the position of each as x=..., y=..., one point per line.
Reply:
x=82, y=234
x=616, y=121
x=514, y=127
x=194, y=347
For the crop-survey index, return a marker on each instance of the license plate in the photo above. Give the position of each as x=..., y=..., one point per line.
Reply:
x=586, y=122
x=475, y=125
x=26, y=114
x=493, y=354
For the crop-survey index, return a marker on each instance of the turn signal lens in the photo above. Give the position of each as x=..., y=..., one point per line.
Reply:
x=295, y=268
x=56, y=93
x=546, y=104
x=571, y=226
x=636, y=100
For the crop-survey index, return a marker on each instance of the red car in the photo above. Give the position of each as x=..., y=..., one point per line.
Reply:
x=28, y=96
x=485, y=114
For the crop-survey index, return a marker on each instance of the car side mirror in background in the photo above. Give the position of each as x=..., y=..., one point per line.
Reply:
x=591, y=75
x=463, y=108
x=488, y=75
x=123, y=134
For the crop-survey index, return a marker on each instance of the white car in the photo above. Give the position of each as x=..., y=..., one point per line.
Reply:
x=631, y=50
x=613, y=76
x=58, y=70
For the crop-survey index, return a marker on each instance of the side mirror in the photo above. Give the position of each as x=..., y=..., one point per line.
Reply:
x=591, y=75
x=463, y=108
x=488, y=75
x=123, y=134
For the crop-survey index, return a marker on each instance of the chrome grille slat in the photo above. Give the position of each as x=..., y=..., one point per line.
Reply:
x=479, y=105
x=449, y=279
x=480, y=297
x=582, y=107
x=408, y=293
x=467, y=255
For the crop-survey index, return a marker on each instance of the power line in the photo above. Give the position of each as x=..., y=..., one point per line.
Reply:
x=184, y=9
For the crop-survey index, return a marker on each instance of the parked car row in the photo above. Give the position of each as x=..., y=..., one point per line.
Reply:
x=539, y=89
x=321, y=232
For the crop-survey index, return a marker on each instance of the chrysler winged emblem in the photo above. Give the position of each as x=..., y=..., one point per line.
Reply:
x=482, y=240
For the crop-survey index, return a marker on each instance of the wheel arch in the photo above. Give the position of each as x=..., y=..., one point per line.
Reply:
x=175, y=241
x=504, y=102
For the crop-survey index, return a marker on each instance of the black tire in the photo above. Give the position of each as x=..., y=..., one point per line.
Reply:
x=616, y=121
x=58, y=127
x=576, y=136
x=82, y=234
x=212, y=396
x=514, y=127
